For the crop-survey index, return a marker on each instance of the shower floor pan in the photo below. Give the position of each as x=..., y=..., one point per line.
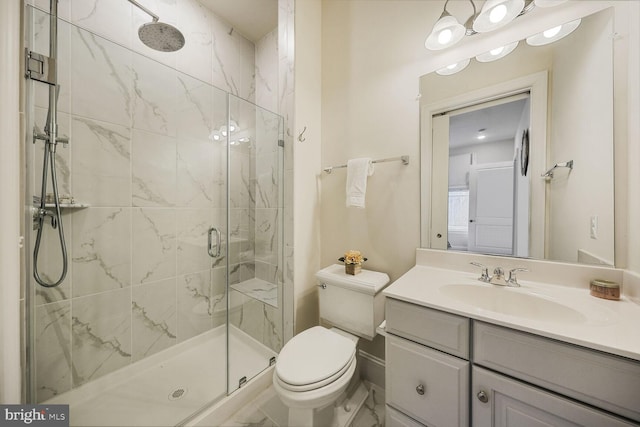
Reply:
x=168, y=387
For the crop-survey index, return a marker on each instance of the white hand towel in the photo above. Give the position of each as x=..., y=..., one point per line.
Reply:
x=357, y=172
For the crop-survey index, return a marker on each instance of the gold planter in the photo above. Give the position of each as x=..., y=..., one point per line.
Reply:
x=352, y=269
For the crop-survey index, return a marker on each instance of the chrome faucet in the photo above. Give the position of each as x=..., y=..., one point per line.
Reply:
x=498, y=277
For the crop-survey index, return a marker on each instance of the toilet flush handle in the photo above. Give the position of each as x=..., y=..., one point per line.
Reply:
x=322, y=285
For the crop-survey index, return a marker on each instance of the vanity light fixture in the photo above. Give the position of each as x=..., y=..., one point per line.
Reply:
x=454, y=68
x=553, y=34
x=497, y=53
x=496, y=14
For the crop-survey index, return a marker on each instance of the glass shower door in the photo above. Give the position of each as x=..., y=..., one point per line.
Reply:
x=255, y=240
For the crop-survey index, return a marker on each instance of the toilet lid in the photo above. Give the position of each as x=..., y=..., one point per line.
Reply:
x=313, y=356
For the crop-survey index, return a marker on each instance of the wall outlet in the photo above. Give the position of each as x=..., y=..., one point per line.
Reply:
x=594, y=227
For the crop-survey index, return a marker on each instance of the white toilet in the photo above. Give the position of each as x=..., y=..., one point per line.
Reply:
x=315, y=367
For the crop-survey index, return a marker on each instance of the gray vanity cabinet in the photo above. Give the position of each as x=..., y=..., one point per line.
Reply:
x=440, y=366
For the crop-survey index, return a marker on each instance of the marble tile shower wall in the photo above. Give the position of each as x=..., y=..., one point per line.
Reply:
x=140, y=279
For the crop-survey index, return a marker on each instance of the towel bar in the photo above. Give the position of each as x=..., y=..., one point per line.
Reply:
x=404, y=159
x=549, y=173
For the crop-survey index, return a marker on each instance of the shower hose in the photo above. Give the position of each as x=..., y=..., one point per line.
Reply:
x=56, y=217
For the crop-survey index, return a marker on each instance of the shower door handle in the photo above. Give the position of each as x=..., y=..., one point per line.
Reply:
x=214, y=253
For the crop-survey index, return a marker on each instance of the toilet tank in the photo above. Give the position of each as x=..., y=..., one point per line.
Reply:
x=352, y=303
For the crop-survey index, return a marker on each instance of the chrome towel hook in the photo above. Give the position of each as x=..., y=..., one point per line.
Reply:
x=300, y=138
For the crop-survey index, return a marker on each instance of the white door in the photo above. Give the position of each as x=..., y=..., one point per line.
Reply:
x=491, y=208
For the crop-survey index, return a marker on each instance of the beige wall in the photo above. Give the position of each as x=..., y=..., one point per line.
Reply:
x=371, y=61
x=306, y=155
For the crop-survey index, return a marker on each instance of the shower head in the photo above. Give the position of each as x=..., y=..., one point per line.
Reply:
x=158, y=35
x=161, y=36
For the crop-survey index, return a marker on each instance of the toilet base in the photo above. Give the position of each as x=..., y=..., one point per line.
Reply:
x=338, y=414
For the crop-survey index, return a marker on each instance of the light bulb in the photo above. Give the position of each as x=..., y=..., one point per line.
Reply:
x=551, y=32
x=446, y=32
x=498, y=13
x=497, y=52
x=444, y=36
x=481, y=137
x=453, y=68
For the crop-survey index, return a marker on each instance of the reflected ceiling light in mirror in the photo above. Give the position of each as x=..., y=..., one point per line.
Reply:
x=446, y=32
x=497, y=53
x=553, y=34
x=548, y=3
x=453, y=68
x=496, y=14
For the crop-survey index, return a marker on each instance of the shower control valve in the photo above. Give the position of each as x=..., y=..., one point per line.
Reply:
x=39, y=216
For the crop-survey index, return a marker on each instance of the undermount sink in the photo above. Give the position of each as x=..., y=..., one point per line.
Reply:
x=512, y=302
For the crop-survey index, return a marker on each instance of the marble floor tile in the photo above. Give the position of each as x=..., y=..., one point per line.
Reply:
x=269, y=411
x=372, y=412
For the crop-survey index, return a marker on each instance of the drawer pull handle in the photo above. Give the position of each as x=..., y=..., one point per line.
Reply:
x=420, y=389
x=482, y=396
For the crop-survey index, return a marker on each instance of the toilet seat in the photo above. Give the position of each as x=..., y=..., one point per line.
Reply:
x=313, y=359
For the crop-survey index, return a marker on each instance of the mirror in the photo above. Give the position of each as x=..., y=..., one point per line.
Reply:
x=536, y=108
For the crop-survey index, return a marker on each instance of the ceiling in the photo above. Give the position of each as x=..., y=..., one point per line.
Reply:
x=501, y=123
x=251, y=18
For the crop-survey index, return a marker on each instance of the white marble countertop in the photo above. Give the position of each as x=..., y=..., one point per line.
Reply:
x=610, y=326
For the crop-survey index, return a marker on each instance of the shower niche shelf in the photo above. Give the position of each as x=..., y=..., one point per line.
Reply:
x=258, y=289
x=63, y=205
x=69, y=205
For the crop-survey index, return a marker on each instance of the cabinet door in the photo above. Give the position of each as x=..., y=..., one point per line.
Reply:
x=498, y=401
x=393, y=418
x=429, y=386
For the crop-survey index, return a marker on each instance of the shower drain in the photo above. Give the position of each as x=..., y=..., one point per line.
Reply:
x=178, y=393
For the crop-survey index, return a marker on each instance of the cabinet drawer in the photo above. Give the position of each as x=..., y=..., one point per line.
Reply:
x=427, y=385
x=602, y=380
x=442, y=331
x=510, y=403
x=393, y=418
